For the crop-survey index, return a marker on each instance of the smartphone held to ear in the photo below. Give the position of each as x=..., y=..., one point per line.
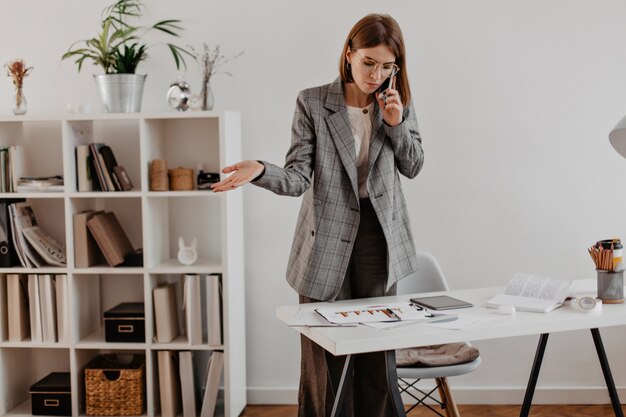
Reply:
x=384, y=86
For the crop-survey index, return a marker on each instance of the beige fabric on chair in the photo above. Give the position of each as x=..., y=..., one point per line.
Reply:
x=436, y=355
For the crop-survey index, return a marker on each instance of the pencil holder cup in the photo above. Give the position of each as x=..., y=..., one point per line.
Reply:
x=611, y=286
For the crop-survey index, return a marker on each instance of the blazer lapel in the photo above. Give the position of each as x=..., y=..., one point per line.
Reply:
x=377, y=138
x=341, y=132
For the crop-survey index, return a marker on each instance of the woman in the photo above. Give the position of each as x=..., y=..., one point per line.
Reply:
x=353, y=237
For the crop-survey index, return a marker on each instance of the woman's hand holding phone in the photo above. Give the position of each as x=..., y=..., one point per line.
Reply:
x=389, y=102
x=243, y=173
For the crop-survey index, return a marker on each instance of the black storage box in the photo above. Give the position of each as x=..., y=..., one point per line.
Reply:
x=52, y=396
x=125, y=323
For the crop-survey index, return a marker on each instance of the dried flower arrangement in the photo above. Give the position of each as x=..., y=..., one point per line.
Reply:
x=18, y=70
x=211, y=60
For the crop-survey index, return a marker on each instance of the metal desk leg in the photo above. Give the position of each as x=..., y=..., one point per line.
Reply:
x=340, y=391
x=534, y=374
x=606, y=370
x=392, y=383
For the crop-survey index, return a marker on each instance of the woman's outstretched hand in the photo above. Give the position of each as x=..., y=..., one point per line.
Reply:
x=243, y=173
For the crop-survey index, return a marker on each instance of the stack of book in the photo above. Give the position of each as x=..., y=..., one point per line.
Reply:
x=98, y=170
x=10, y=168
x=97, y=235
x=202, y=307
x=52, y=183
x=179, y=385
x=37, y=307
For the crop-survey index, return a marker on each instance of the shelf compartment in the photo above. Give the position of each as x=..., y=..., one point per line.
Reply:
x=85, y=355
x=122, y=135
x=41, y=146
x=23, y=367
x=183, y=142
x=127, y=211
x=168, y=219
x=95, y=294
x=208, y=323
x=200, y=360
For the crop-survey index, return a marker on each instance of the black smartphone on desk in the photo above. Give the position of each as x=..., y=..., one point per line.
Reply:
x=440, y=302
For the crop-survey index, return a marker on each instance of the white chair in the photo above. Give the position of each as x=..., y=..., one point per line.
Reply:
x=430, y=278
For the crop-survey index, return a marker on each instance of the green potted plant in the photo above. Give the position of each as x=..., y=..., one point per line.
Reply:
x=118, y=49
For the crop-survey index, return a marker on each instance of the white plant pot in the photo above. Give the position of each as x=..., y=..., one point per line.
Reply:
x=120, y=93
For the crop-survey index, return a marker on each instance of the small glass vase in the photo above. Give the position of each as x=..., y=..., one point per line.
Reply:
x=19, y=102
x=206, y=95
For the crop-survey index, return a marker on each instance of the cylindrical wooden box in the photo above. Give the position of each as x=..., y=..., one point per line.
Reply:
x=158, y=175
x=181, y=179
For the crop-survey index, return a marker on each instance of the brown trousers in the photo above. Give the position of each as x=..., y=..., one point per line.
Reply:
x=367, y=392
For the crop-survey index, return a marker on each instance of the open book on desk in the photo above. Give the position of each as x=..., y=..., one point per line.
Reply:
x=532, y=293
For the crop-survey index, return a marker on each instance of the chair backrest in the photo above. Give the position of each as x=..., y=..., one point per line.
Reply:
x=429, y=277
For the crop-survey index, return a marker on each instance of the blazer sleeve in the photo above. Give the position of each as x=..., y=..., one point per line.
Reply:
x=295, y=177
x=407, y=144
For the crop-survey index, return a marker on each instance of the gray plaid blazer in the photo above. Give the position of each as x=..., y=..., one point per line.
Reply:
x=322, y=155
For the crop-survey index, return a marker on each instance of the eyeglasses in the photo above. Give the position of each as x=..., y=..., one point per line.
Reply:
x=369, y=67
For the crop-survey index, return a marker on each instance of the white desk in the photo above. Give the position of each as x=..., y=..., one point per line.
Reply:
x=352, y=340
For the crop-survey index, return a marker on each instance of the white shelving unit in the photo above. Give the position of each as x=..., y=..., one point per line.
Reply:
x=152, y=221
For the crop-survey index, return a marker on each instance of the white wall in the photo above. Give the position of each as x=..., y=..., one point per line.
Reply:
x=515, y=101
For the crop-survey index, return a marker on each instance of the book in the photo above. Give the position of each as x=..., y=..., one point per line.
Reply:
x=192, y=306
x=47, y=298
x=4, y=322
x=110, y=237
x=94, y=173
x=99, y=167
x=34, y=304
x=214, y=309
x=63, y=313
x=86, y=250
x=532, y=293
x=165, y=312
x=109, y=164
x=122, y=176
x=187, y=383
x=215, y=365
x=169, y=387
x=16, y=165
x=40, y=184
x=22, y=216
x=8, y=255
x=17, y=308
x=4, y=171
x=83, y=172
x=49, y=249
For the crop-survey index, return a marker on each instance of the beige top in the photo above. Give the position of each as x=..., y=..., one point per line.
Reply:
x=361, y=124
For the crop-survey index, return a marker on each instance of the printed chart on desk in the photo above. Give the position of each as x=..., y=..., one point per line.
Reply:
x=366, y=313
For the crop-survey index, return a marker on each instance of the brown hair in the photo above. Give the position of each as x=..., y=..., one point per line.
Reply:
x=369, y=32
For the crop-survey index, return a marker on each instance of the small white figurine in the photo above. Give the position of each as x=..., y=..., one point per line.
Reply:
x=187, y=255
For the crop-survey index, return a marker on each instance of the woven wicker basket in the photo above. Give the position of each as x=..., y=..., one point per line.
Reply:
x=113, y=388
x=181, y=179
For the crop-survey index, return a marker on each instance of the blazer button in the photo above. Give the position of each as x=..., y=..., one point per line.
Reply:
x=313, y=233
